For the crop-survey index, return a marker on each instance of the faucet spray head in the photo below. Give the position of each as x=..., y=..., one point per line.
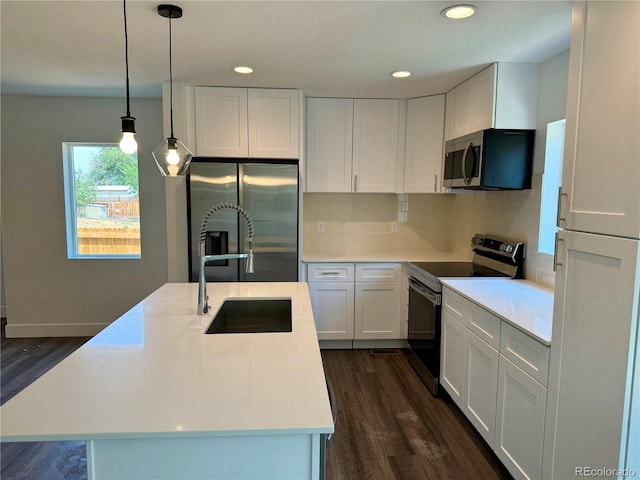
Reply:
x=249, y=267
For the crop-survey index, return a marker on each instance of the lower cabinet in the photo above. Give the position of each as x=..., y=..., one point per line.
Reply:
x=497, y=376
x=520, y=421
x=469, y=373
x=359, y=301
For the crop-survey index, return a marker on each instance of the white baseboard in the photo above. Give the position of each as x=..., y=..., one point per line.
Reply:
x=53, y=330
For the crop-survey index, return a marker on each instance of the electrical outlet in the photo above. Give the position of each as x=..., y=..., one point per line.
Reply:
x=394, y=227
x=320, y=227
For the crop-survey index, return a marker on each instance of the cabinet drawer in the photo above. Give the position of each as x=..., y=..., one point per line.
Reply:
x=330, y=272
x=456, y=305
x=525, y=352
x=485, y=325
x=373, y=272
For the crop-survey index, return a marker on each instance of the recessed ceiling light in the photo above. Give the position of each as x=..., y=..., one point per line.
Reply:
x=243, y=69
x=400, y=74
x=457, y=12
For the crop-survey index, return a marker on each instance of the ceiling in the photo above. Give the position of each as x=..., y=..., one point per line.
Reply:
x=327, y=48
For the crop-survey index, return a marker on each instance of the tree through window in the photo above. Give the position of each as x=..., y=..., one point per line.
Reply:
x=102, y=204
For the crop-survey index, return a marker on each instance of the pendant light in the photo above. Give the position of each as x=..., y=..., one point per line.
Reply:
x=128, y=143
x=171, y=156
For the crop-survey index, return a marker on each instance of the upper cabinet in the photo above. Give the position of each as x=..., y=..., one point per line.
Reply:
x=352, y=145
x=503, y=95
x=329, y=144
x=247, y=123
x=423, y=147
x=601, y=192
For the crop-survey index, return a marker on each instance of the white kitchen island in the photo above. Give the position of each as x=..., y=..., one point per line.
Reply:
x=156, y=398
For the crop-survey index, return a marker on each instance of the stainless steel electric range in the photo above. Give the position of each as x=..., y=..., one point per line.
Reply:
x=492, y=257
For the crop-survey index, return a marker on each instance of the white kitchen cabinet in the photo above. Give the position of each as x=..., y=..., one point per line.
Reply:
x=424, y=144
x=329, y=145
x=520, y=421
x=331, y=287
x=274, y=130
x=247, y=123
x=594, y=333
x=601, y=166
x=452, y=357
x=221, y=122
x=469, y=373
x=352, y=145
x=375, y=145
x=503, y=95
x=378, y=301
x=478, y=369
x=597, y=287
x=356, y=301
x=481, y=376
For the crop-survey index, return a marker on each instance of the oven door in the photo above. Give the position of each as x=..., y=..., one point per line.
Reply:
x=424, y=333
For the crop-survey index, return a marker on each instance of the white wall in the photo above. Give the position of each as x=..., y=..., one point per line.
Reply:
x=46, y=293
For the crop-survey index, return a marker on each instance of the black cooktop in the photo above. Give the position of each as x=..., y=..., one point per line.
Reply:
x=456, y=269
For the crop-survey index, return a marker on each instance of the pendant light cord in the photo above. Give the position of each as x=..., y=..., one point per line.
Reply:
x=170, y=80
x=126, y=52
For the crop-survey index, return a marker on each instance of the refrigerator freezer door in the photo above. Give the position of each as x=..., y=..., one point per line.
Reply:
x=269, y=193
x=212, y=183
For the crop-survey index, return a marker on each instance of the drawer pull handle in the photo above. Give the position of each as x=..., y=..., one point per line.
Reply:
x=330, y=273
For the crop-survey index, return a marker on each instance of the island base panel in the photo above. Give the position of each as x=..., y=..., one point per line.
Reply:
x=277, y=457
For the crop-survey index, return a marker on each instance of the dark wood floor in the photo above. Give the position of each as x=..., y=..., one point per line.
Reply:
x=23, y=360
x=388, y=426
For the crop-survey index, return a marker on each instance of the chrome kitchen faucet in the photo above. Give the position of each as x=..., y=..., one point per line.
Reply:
x=203, y=306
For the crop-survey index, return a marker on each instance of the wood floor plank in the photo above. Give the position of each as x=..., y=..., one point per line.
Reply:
x=390, y=427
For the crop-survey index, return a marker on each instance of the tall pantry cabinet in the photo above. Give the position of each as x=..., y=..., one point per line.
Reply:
x=593, y=418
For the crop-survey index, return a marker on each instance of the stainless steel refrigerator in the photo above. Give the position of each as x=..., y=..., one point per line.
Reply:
x=268, y=191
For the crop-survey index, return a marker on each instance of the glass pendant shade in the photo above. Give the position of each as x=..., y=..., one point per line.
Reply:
x=172, y=157
x=128, y=142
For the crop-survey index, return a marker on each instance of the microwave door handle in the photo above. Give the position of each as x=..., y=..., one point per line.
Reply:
x=464, y=164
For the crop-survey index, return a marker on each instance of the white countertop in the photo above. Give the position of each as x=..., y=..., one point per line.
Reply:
x=525, y=305
x=154, y=373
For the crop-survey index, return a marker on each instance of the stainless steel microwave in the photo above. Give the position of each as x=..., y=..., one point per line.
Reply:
x=492, y=159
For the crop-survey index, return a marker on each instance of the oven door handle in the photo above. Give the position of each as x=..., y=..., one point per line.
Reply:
x=425, y=292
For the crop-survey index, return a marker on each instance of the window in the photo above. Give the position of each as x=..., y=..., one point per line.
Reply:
x=551, y=181
x=101, y=201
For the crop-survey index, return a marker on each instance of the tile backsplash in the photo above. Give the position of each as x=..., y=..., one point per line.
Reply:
x=358, y=223
x=511, y=214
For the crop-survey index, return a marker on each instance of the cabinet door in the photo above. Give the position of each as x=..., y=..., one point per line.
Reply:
x=424, y=141
x=483, y=110
x=452, y=358
x=332, y=304
x=601, y=189
x=377, y=310
x=595, y=322
x=481, y=386
x=520, y=422
x=464, y=111
x=221, y=122
x=375, y=145
x=329, y=144
x=273, y=123
x=449, y=124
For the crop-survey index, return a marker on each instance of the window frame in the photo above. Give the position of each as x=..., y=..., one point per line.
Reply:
x=70, y=207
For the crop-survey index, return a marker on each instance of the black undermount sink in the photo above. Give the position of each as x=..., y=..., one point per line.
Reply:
x=252, y=316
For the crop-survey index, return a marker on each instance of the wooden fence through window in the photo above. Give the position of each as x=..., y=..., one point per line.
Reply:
x=108, y=241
